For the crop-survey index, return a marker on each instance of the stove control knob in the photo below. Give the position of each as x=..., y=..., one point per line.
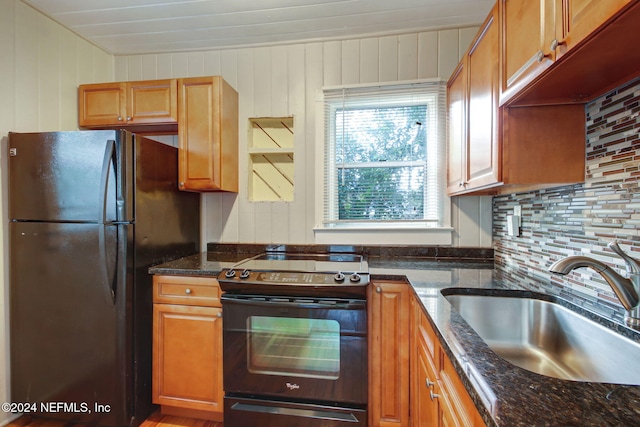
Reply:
x=355, y=278
x=230, y=274
x=338, y=277
x=245, y=274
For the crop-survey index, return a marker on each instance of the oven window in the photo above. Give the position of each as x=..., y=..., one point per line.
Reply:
x=294, y=346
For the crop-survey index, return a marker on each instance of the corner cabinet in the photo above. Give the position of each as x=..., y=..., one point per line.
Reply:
x=496, y=150
x=143, y=106
x=208, y=135
x=438, y=397
x=187, y=347
x=388, y=353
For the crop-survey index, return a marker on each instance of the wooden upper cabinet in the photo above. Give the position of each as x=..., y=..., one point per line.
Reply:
x=457, y=127
x=208, y=135
x=102, y=104
x=154, y=101
x=483, y=153
x=473, y=91
x=132, y=105
x=527, y=29
x=565, y=51
x=497, y=150
x=579, y=18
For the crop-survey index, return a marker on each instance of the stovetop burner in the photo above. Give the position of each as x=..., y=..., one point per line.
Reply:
x=280, y=273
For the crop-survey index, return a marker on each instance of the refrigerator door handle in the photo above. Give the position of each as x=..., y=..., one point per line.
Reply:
x=109, y=280
x=104, y=179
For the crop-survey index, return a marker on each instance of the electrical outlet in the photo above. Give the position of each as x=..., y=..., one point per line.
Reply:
x=517, y=210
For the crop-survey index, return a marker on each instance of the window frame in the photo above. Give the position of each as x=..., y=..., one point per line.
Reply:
x=430, y=230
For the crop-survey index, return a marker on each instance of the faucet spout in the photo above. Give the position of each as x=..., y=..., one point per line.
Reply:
x=623, y=288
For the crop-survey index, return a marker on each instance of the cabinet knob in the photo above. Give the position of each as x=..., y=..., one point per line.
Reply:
x=378, y=289
x=433, y=395
x=555, y=43
x=187, y=291
x=128, y=118
x=430, y=383
x=541, y=55
x=119, y=118
x=219, y=313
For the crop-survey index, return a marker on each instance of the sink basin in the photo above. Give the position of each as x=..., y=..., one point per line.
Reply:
x=549, y=339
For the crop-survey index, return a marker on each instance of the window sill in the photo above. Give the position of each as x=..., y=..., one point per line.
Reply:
x=369, y=235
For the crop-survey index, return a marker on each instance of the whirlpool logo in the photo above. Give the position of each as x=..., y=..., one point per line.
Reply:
x=293, y=386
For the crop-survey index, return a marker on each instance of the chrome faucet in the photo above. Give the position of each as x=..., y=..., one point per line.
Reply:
x=626, y=289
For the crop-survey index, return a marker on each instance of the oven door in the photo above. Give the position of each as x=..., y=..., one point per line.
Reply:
x=295, y=348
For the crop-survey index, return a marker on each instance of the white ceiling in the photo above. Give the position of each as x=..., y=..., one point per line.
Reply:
x=150, y=26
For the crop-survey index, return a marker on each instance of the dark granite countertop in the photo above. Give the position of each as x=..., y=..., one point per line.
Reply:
x=505, y=395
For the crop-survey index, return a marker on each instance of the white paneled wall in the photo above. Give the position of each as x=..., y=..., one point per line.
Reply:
x=41, y=66
x=287, y=80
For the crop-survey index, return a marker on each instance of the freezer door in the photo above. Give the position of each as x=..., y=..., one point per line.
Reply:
x=67, y=316
x=63, y=176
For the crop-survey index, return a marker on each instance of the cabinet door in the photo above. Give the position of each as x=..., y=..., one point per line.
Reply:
x=101, y=104
x=528, y=26
x=388, y=354
x=457, y=408
x=579, y=18
x=152, y=101
x=208, y=135
x=187, y=357
x=423, y=377
x=483, y=158
x=457, y=123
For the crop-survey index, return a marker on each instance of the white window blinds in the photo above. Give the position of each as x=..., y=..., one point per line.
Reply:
x=384, y=155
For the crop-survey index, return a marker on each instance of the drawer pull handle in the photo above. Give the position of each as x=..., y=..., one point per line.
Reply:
x=430, y=383
x=433, y=395
x=187, y=291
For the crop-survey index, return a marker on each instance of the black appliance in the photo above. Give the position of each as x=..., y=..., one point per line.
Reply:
x=295, y=340
x=89, y=213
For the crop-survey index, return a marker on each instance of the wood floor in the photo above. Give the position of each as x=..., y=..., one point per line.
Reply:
x=155, y=420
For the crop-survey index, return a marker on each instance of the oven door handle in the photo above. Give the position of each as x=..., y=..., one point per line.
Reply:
x=295, y=302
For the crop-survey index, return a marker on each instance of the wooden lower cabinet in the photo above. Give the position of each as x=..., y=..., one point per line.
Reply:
x=438, y=397
x=388, y=353
x=187, y=347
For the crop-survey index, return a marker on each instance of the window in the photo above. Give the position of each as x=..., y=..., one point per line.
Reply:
x=384, y=155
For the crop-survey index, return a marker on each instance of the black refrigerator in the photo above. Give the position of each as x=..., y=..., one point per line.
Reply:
x=89, y=213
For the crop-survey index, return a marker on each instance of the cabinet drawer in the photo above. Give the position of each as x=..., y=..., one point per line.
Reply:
x=202, y=291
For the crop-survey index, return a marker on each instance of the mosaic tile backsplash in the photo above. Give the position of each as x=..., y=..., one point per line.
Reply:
x=582, y=219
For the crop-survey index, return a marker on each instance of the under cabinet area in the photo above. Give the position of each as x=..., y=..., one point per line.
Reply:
x=187, y=346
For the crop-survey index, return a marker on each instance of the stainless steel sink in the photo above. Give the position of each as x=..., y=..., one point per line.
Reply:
x=549, y=339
